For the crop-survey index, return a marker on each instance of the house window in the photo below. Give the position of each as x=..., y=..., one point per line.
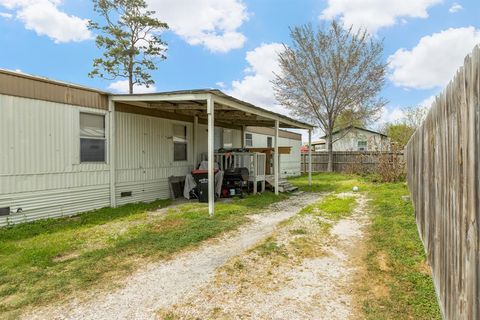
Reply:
x=227, y=138
x=269, y=142
x=179, y=142
x=362, y=145
x=248, y=140
x=92, y=137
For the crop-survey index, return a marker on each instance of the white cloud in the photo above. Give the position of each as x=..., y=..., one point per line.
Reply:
x=256, y=86
x=428, y=101
x=375, y=14
x=213, y=24
x=121, y=86
x=390, y=115
x=6, y=15
x=220, y=84
x=434, y=60
x=455, y=7
x=45, y=18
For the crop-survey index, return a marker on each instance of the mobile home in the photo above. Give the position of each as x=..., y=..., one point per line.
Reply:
x=66, y=149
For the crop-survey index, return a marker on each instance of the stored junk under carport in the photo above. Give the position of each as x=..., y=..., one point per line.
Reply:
x=69, y=149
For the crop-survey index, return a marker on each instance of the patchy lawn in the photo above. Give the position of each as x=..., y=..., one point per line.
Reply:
x=53, y=259
x=46, y=260
x=397, y=282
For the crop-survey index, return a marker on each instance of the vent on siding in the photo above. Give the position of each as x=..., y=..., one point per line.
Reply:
x=5, y=211
x=126, y=194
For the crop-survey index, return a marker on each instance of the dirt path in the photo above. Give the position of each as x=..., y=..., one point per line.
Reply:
x=305, y=270
x=163, y=284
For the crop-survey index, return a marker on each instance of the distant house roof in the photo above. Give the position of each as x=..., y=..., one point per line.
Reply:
x=271, y=132
x=318, y=142
x=355, y=127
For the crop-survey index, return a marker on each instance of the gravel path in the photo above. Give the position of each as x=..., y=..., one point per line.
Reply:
x=311, y=275
x=163, y=284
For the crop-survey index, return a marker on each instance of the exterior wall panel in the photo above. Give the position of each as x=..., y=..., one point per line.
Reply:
x=40, y=172
x=144, y=157
x=349, y=141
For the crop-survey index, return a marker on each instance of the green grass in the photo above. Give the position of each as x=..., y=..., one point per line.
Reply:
x=45, y=260
x=332, y=207
x=407, y=289
x=329, y=182
x=394, y=232
x=270, y=247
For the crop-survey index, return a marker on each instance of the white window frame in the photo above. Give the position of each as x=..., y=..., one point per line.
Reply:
x=105, y=136
x=174, y=142
x=251, y=140
x=363, y=142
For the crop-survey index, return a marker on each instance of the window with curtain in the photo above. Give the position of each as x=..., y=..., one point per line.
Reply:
x=180, y=143
x=92, y=137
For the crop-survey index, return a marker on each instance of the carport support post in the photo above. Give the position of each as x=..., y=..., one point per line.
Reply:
x=111, y=150
x=275, y=159
x=195, y=141
x=211, y=160
x=310, y=157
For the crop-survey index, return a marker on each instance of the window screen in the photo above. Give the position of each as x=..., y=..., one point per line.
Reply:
x=179, y=142
x=269, y=142
x=248, y=140
x=92, y=137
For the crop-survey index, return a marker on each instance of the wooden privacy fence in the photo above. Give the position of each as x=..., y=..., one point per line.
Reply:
x=443, y=175
x=345, y=161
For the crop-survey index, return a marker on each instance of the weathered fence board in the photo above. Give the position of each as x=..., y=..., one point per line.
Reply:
x=443, y=159
x=344, y=161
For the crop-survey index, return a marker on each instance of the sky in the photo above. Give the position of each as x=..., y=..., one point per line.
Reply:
x=232, y=45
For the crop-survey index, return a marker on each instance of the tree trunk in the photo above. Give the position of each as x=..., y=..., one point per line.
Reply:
x=330, y=152
x=130, y=84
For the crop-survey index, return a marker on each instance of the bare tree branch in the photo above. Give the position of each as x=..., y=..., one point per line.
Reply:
x=328, y=72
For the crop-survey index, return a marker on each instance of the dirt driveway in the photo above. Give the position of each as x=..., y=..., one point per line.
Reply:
x=279, y=266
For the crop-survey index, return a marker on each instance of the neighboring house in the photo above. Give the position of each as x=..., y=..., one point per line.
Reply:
x=354, y=138
x=67, y=149
x=290, y=161
x=319, y=145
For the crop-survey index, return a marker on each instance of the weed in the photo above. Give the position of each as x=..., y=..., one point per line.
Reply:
x=270, y=247
x=298, y=231
x=238, y=265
